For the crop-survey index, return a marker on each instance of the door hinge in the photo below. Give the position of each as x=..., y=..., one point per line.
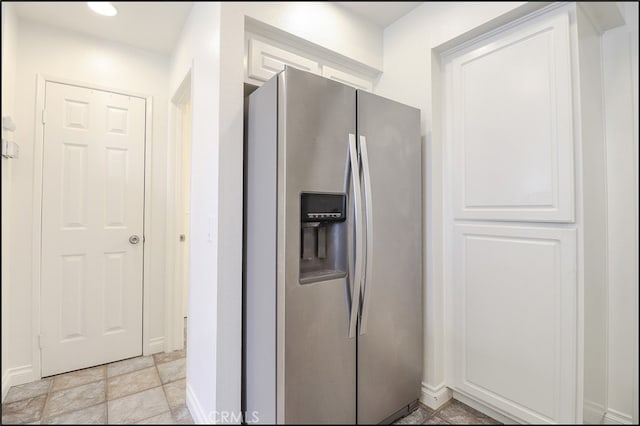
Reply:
x=40, y=341
x=44, y=116
x=10, y=149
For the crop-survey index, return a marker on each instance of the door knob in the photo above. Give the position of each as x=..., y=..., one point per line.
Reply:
x=134, y=239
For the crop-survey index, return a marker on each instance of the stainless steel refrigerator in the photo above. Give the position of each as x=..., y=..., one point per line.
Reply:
x=333, y=254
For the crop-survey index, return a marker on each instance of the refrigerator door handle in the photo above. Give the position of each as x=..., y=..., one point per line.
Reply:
x=357, y=200
x=368, y=255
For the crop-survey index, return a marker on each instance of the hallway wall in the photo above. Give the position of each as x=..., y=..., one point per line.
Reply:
x=54, y=52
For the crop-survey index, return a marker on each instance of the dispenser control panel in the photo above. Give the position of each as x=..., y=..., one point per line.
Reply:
x=322, y=207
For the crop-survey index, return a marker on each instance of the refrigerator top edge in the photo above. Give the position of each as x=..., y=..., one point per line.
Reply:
x=289, y=69
x=410, y=109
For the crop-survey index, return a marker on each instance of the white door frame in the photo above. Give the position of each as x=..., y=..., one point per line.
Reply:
x=37, y=212
x=174, y=266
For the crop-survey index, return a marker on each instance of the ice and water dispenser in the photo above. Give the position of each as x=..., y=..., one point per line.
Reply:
x=323, y=236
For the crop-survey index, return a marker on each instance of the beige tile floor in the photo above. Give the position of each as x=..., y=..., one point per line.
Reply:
x=141, y=390
x=148, y=390
x=452, y=413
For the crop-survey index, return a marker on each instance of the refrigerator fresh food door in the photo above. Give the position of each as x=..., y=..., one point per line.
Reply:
x=319, y=366
x=390, y=329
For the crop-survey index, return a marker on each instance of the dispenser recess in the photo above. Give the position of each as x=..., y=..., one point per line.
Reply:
x=322, y=237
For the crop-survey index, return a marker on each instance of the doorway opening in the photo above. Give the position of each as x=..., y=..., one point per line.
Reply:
x=178, y=220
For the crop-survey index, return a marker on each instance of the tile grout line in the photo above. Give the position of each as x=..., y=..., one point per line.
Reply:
x=472, y=416
x=106, y=394
x=144, y=390
x=164, y=391
x=50, y=391
x=46, y=401
x=106, y=390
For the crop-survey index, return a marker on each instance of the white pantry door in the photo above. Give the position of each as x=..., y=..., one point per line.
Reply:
x=513, y=251
x=512, y=233
x=92, y=211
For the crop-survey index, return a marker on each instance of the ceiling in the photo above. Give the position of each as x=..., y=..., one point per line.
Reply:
x=150, y=25
x=381, y=13
x=157, y=25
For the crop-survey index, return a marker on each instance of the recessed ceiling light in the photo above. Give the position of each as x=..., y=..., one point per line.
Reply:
x=102, y=8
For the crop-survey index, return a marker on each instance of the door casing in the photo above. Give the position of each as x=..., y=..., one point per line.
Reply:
x=174, y=330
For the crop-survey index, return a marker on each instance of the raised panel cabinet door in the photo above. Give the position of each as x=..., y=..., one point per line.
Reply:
x=510, y=124
x=514, y=327
x=92, y=203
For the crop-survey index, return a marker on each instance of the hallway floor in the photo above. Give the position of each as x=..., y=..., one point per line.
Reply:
x=452, y=413
x=148, y=390
x=141, y=390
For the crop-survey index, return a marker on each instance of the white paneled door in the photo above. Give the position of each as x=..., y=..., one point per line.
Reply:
x=92, y=227
x=515, y=299
x=511, y=125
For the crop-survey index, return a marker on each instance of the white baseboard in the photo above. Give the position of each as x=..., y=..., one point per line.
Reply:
x=5, y=384
x=485, y=409
x=156, y=345
x=613, y=417
x=435, y=397
x=16, y=376
x=194, y=406
x=593, y=413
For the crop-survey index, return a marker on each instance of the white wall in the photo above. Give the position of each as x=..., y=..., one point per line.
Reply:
x=407, y=78
x=216, y=31
x=58, y=53
x=9, y=44
x=620, y=53
x=198, y=49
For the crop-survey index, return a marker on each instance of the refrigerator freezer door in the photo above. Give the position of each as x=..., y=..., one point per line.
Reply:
x=390, y=347
x=260, y=245
x=319, y=357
